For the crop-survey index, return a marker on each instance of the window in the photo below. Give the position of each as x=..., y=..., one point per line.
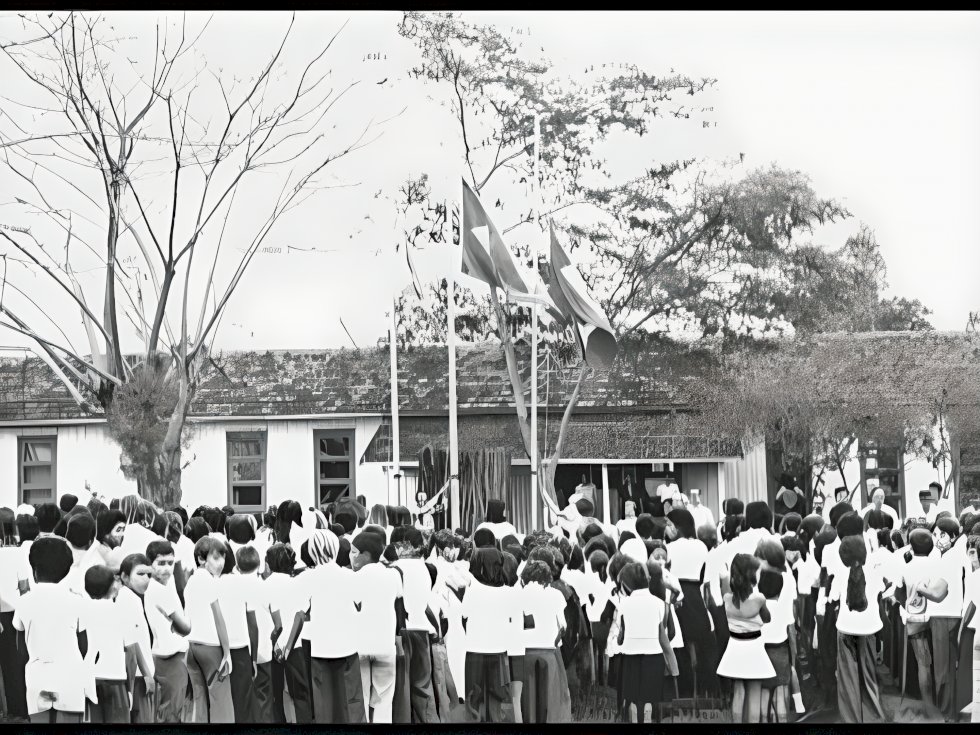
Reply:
x=36, y=473
x=334, y=471
x=246, y=471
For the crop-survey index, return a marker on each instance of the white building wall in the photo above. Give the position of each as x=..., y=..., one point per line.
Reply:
x=85, y=453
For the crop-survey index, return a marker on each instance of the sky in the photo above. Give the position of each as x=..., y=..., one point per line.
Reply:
x=881, y=110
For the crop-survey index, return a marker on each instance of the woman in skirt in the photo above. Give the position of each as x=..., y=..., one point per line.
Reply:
x=688, y=557
x=489, y=610
x=745, y=661
x=611, y=616
x=858, y=622
x=644, y=642
x=545, y=696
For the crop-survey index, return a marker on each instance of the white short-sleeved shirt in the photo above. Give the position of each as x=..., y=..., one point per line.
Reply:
x=971, y=593
x=921, y=569
x=546, y=608
x=51, y=617
x=489, y=613
x=687, y=558
x=716, y=566
x=641, y=613
x=257, y=595
x=136, y=538
x=201, y=591
x=949, y=566
x=285, y=594
x=330, y=589
x=626, y=524
x=635, y=549
x=24, y=571
x=377, y=589
x=10, y=562
x=702, y=515
x=417, y=590
x=184, y=553
x=108, y=636
x=165, y=641
x=85, y=559
x=867, y=621
x=500, y=530
x=233, y=596
x=134, y=618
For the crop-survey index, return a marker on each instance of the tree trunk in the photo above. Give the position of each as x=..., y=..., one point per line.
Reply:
x=159, y=481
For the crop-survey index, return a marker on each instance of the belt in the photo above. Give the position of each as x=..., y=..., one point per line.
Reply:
x=692, y=581
x=749, y=636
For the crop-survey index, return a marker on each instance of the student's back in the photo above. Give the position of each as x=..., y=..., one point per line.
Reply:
x=235, y=602
x=333, y=616
x=109, y=632
x=642, y=615
x=489, y=612
x=377, y=587
x=417, y=590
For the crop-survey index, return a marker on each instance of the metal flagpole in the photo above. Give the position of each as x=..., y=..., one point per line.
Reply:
x=393, y=353
x=535, y=468
x=451, y=344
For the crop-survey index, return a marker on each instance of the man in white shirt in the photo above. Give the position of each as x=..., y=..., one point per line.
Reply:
x=840, y=496
x=878, y=503
x=758, y=517
x=928, y=510
x=378, y=589
x=701, y=513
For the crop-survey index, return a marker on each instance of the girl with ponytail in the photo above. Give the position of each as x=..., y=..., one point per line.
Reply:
x=858, y=621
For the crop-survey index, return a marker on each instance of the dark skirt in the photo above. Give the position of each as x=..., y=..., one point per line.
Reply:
x=779, y=657
x=701, y=663
x=488, y=680
x=338, y=697
x=642, y=678
x=545, y=696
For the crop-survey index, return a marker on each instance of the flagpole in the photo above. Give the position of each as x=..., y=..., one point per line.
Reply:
x=535, y=468
x=453, y=427
x=393, y=354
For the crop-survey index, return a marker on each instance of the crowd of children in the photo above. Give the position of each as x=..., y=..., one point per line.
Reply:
x=126, y=613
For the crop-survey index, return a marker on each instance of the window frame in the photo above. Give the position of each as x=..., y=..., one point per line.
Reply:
x=51, y=439
x=351, y=458
x=238, y=436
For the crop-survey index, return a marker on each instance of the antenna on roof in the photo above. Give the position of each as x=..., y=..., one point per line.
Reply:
x=973, y=323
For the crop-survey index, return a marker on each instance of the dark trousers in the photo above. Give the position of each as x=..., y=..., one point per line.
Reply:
x=945, y=652
x=297, y=675
x=170, y=674
x=113, y=706
x=12, y=668
x=262, y=708
x=857, y=687
x=964, y=670
x=337, y=690
x=278, y=685
x=241, y=683
x=419, y=655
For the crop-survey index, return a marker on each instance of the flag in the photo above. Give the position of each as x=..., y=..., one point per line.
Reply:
x=568, y=290
x=416, y=285
x=485, y=255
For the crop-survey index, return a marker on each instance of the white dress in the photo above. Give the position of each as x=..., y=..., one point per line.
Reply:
x=745, y=658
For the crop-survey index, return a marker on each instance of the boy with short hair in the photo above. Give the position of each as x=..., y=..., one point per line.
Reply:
x=209, y=657
x=111, y=641
x=269, y=625
x=53, y=623
x=135, y=573
x=169, y=628
x=239, y=614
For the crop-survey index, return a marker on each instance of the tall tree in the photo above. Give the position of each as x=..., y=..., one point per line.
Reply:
x=92, y=132
x=493, y=89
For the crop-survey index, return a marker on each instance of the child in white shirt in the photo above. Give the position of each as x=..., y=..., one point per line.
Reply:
x=545, y=696
x=209, y=661
x=111, y=639
x=51, y=618
x=267, y=625
x=239, y=614
x=168, y=627
x=135, y=573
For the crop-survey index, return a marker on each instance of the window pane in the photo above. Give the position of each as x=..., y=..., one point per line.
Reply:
x=37, y=451
x=247, y=470
x=38, y=476
x=334, y=470
x=331, y=493
x=245, y=448
x=36, y=497
x=247, y=495
x=339, y=447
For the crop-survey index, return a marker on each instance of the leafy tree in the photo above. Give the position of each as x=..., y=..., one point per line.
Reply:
x=493, y=89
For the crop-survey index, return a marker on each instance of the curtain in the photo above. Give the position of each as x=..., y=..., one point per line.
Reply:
x=433, y=474
x=746, y=478
x=483, y=476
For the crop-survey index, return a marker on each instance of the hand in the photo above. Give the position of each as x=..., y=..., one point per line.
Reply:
x=151, y=684
x=277, y=653
x=255, y=669
x=47, y=696
x=224, y=670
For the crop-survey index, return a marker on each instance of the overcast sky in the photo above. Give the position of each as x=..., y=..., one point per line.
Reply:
x=882, y=110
